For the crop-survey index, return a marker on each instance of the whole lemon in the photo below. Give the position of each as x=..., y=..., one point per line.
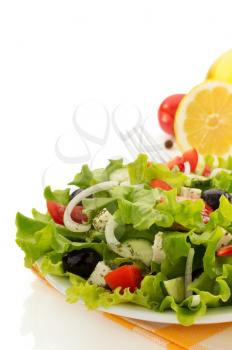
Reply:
x=222, y=68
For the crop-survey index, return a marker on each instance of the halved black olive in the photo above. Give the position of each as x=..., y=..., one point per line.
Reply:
x=212, y=197
x=81, y=262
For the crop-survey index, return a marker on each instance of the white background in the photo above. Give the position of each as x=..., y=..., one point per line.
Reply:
x=55, y=55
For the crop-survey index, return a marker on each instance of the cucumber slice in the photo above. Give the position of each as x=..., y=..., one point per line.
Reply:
x=120, y=175
x=197, y=181
x=141, y=250
x=175, y=288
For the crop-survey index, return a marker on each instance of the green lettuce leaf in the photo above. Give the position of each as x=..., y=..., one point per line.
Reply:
x=223, y=181
x=125, y=232
x=150, y=295
x=141, y=215
x=41, y=217
x=136, y=207
x=212, y=291
x=52, y=264
x=174, y=178
x=59, y=196
x=185, y=313
x=210, y=240
x=93, y=205
x=114, y=164
x=176, y=249
x=186, y=213
x=137, y=169
x=83, y=179
x=94, y=296
x=218, y=162
x=36, y=238
x=86, y=177
x=221, y=216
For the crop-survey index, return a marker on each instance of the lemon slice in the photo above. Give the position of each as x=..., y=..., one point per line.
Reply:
x=204, y=119
x=222, y=68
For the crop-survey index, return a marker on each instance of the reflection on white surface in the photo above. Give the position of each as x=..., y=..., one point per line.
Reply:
x=55, y=324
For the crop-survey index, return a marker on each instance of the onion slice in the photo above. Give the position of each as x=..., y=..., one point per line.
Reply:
x=188, y=272
x=195, y=300
x=158, y=252
x=119, y=248
x=224, y=241
x=68, y=222
x=187, y=168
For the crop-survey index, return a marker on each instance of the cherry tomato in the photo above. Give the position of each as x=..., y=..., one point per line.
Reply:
x=207, y=170
x=156, y=183
x=56, y=210
x=225, y=251
x=167, y=111
x=77, y=215
x=126, y=276
x=190, y=156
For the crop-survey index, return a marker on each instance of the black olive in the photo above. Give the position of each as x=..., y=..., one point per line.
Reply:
x=74, y=193
x=212, y=197
x=81, y=262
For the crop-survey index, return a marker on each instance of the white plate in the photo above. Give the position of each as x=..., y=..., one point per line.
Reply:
x=217, y=315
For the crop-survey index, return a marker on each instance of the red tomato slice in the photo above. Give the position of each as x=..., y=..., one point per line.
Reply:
x=177, y=161
x=126, y=276
x=207, y=170
x=225, y=251
x=78, y=216
x=56, y=210
x=206, y=212
x=191, y=156
x=156, y=183
x=208, y=208
x=167, y=112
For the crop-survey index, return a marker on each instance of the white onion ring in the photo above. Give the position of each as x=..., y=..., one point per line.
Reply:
x=195, y=300
x=187, y=168
x=116, y=246
x=188, y=272
x=68, y=222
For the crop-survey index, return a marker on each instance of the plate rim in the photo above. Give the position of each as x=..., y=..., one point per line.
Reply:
x=212, y=316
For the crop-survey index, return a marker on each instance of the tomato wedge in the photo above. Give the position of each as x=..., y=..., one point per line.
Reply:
x=207, y=170
x=126, y=276
x=56, y=210
x=190, y=156
x=156, y=183
x=225, y=251
x=177, y=161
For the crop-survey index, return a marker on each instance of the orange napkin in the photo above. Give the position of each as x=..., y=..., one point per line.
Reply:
x=176, y=337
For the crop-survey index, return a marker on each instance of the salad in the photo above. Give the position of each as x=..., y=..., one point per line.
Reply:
x=154, y=235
